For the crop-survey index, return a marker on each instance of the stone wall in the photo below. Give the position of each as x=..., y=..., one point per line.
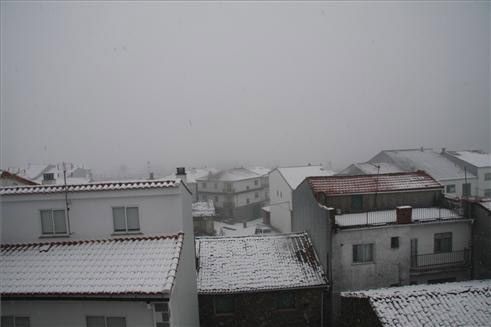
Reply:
x=260, y=309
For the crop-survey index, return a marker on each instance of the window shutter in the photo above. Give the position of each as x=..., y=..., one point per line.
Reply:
x=133, y=219
x=46, y=222
x=119, y=219
x=60, y=221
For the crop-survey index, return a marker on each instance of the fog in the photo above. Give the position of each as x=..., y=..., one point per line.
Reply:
x=166, y=84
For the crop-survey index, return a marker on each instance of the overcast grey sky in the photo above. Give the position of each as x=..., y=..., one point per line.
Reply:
x=276, y=83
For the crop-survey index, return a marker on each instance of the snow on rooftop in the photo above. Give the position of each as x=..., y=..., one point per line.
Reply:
x=237, y=229
x=475, y=158
x=295, y=175
x=486, y=204
x=378, y=168
x=261, y=171
x=97, y=186
x=123, y=266
x=257, y=263
x=450, y=304
x=203, y=209
x=434, y=163
x=193, y=174
x=360, y=184
x=234, y=174
x=389, y=216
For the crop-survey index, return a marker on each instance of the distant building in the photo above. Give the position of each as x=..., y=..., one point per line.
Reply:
x=457, y=181
x=203, y=218
x=49, y=174
x=273, y=280
x=477, y=163
x=10, y=179
x=383, y=230
x=190, y=176
x=237, y=193
x=86, y=254
x=282, y=182
x=449, y=304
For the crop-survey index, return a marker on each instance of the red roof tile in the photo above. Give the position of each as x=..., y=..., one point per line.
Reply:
x=394, y=182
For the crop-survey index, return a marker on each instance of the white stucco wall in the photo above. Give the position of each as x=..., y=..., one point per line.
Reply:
x=483, y=184
x=73, y=313
x=458, y=186
x=280, y=195
x=160, y=212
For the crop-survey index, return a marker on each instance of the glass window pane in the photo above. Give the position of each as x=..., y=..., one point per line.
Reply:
x=21, y=322
x=116, y=322
x=133, y=220
x=96, y=321
x=119, y=219
x=46, y=222
x=60, y=221
x=7, y=321
x=224, y=304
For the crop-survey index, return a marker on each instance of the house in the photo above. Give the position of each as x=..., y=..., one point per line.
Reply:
x=261, y=280
x=457, y=181
x=9, y=179
x=98, y=228
x=481, y=238
x=189, y=176
x=448, y=304
x=55, y=173
x=203, y=218
x=237, y=193
x=477, y=163
x=282, y=182
x=373, y=231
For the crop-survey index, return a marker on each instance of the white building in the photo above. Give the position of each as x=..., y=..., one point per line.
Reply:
x=282, y=182
x=477, y=163
x=237, y=193
x=190, y=177
x=142, y=234
x=457, y=181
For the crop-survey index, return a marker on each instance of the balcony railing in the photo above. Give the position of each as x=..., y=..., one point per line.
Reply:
x=439, y=260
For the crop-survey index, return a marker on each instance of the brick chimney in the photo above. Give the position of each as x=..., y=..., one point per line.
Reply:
x=404, y=214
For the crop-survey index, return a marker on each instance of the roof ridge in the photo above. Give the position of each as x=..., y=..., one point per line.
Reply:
x=291, y=234
x=8, y=246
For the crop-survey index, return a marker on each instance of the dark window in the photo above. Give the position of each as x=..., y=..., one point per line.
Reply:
x=256, y=195
x=247, y=187
x=203, y=185
x=248, y=201
x=362, y=253
x=13, y=321
x=466, y=189
x=451, y=188
x=285, y=300
x=161, y=314
x=394, y=242
x=101, y=321
x=224, y=304
x=443, y=242
x=487, y=176
x=216, y=198
x=357, y=202
x=256, y=182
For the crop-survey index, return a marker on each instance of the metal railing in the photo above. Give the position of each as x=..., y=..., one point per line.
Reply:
x=436, y=260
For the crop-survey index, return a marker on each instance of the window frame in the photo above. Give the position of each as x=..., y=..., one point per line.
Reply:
x=450, y=188
x=105, y=319
x=394, y=242
x=358, y=200
x=439, y=245
x=466, y=189
x=52, y=219
x=356, y=254
x=14, y=318
x=126, y=230
x=487, y=176
x=158, y=316
x=230, y=298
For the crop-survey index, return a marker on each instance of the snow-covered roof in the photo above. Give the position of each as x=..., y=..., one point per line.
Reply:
x=203, y=209
x=450, y=304
x=295, y=175
x=475, y=158
x=192, y=174
x=99, y=186
x=383, y=217
x=23, y=181
x=75, y=174
x=230, y=175
x=257, y=263
x=377, y=168
x=122, y=266
x=261, y=171
x=435, y=164
x=486, y=204
x=359, y=184
x=237, y=229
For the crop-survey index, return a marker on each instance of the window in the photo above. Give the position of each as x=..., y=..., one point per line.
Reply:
x=487, y=192
x=281, y=194
x=356, y=202
x=126, y=219
x=256, y=195
x=101, y=321
x=53, y=222
x=216, y=199
x=256, y=182
x=248, y=201
x=247, y=187
x=466, y=189
x=487, y=176
x=451, y=188
x=49, y=176
x=443, y=242
x=224, y=304
x=285, y=300
x=277, y=193
x=203, y=185
x=14, y=321
x=394, y=242
x=161, y=314
x=363, y=253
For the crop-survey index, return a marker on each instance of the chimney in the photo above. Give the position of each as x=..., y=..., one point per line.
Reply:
x=404, y=214
x=151, y=176
x=443, y=150
x=181, y=173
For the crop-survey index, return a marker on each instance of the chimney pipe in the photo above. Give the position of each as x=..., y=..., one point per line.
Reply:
x=181, y=173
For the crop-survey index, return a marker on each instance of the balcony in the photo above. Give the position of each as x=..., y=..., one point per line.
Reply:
x=444, y=260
